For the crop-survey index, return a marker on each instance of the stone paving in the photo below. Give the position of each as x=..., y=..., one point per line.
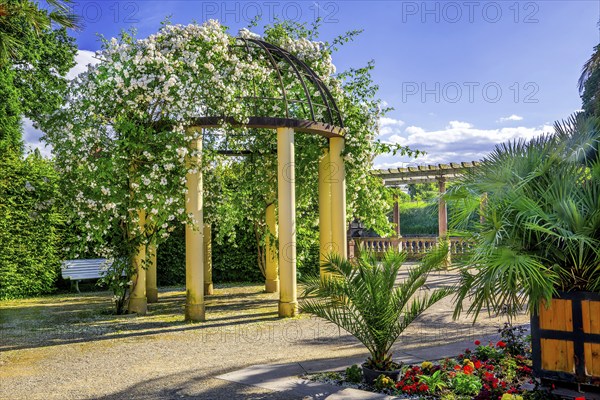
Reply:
x=71, y=347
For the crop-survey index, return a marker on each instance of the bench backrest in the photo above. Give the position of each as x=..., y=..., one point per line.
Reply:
x=84, y=269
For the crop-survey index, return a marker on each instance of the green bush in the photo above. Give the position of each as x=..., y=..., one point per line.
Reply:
x=234, y=260
x=30, y=226
x=418, y=218
x=170, y=259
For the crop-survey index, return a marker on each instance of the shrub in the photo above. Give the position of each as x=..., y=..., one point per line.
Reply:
x=234, y=260
x=354, y=374
x=30, y=226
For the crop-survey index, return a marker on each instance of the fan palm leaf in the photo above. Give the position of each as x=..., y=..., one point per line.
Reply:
x=365, y=299
x=540, y=229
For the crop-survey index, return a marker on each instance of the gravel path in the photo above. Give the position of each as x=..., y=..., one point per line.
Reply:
x=71, y=347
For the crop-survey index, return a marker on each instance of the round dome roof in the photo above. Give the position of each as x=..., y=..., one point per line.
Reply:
x=301, y=94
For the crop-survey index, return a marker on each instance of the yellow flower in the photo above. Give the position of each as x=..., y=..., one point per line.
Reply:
x=508, y=396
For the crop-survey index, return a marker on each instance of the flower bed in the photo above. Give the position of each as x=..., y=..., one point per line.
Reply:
x=490, y=371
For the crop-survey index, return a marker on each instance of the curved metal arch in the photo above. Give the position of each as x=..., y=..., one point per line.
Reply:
x=305, y=76
x=282, y=52
x=275, y=67
x=315, y=80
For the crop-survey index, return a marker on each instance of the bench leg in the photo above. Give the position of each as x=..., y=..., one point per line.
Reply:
x=76, y=285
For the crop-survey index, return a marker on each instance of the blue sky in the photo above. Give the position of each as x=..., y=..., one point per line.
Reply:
x=461, y=75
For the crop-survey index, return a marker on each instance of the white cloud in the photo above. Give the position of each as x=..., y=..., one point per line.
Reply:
x=31, y=137
x=459, y=125
x=458, y=141
x=83, y=58
x=513, y=117
x=389, y=125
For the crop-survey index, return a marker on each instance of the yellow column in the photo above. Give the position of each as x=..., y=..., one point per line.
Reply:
x=325, y=240
x=338, y=196
x=288, y=305
x=442, y=210
x=208, y=282
x=137, y=300
x=194, y=246
x=151, y=284
x=271, y=267
x=443, y=218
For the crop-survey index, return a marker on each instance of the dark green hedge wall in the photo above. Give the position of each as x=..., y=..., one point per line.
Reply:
x=30, y=226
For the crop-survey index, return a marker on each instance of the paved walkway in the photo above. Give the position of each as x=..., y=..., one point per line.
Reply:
x=71, y=347
x=285, y=378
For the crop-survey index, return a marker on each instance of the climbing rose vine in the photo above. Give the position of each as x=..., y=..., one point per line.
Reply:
x=121, y=143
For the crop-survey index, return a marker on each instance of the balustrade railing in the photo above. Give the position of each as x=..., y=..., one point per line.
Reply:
x=413, y=246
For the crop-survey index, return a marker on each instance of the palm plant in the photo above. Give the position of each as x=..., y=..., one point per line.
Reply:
x=539, y=231
x=19, y=15
x=363, y=298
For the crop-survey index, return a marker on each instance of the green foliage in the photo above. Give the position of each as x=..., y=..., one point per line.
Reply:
x=466, y=384
x=116, y=279
x=422, y=191
x=20, y=20
x=488, y=352
x=418, y=218
x=435, y=382
x=363, y=299
x=33, y=62
x=541, y=222
x=383, y=382
x=589, y=84
x=30, y=226
x=235, y=259
x=170, y=260
x=10, y=113
x=354, y=374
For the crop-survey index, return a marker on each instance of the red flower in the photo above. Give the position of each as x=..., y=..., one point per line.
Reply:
x=477, y=364
x=501, y=344
x=477, y=343
x=423, y=387
x=580, y=398
x=468, y=369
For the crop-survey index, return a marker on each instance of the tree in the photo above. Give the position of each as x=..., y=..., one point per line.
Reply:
x=589, y=84
x=34, y=60
x=19, y=18
x=540, y=231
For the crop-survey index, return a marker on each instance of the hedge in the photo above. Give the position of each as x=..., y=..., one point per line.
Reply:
x=30, y=226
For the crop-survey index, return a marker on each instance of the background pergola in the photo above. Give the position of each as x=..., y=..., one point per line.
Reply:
x=440, y=173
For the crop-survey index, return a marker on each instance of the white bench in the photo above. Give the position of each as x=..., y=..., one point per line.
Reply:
x=77, y=270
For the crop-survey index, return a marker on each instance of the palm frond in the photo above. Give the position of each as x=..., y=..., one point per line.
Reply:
x=365, y=299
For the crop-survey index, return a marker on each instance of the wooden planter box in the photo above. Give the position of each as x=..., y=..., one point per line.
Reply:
x=566, y=339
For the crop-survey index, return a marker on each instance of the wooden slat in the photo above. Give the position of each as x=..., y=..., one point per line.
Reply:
x=590, y=311
x=559, y=317
x=558, y=355
x=592, y=359
x=591, y=316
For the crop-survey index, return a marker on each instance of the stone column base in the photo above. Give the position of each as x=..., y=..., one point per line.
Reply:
x=208, y=289
x=272, y=286
x=138, y=305
x=152, y=295
x=194, y=312
x=288, y=309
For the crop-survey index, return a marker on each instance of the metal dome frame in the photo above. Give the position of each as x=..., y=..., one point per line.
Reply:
x=330, y=126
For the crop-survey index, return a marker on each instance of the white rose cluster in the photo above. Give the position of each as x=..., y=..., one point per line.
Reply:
x=120, y=141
